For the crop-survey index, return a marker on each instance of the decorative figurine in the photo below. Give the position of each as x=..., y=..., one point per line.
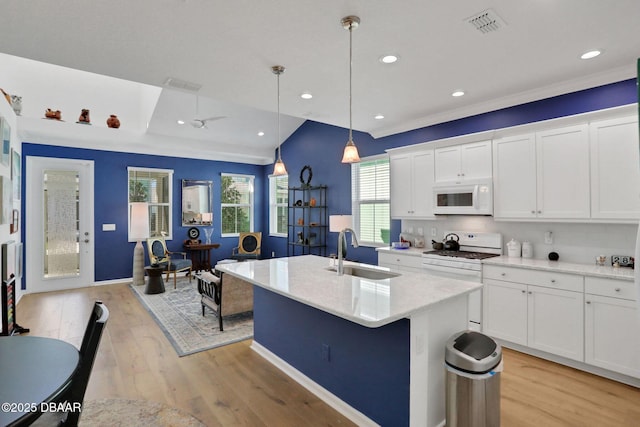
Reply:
x=84, y=117
x=113, y=121
x=50, y=114
x=6, y=96
x=16, y=104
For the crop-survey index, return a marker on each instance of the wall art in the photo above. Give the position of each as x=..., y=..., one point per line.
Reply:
x=16, y=174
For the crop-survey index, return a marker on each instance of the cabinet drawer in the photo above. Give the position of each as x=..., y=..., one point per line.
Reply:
x=610, y=288
x=549, y=279
x=400, y=260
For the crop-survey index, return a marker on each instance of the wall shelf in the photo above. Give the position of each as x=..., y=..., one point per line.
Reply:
x=307, y=221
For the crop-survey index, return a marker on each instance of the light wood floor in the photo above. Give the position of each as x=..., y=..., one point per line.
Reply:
x=233, y=386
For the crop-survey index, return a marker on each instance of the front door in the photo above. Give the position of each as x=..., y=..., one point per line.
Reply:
x=59, y=224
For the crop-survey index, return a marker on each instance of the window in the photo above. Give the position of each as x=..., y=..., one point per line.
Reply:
x=278, y=202
x=370, y=197
x=154, y=186
x=237, y=204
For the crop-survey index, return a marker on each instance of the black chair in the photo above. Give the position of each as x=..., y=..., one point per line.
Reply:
x=74, y=394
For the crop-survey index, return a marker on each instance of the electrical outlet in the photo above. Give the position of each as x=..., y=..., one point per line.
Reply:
x=548, y=238
x=420, y=231
x=434, y=232
x=326, y=353
x=622, y=260
x=273, y=254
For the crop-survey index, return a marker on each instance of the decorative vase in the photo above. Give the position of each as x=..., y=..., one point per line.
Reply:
x=208, y=232
x=113, y=121
x=84, y=116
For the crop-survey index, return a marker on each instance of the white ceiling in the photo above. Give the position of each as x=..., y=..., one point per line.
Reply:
x=228, y=47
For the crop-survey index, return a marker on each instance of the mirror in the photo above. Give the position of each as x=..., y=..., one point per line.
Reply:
x=196, y=202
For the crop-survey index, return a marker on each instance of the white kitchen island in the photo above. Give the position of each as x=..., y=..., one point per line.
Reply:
x=373, y=349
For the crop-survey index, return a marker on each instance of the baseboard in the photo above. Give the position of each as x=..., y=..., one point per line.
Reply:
x=325, y=395
x=582, y=366
x=124, y=280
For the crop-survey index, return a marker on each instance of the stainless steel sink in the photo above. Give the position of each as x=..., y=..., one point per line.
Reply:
x=366, y=273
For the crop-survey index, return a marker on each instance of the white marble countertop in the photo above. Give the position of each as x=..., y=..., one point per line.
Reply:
x=370, y=303
x=622, y=273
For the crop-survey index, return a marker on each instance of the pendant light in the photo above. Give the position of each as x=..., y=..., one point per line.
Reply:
x=278, y=167
x=350, y=150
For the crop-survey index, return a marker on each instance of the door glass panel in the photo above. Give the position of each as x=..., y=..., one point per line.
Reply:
x=61, y=224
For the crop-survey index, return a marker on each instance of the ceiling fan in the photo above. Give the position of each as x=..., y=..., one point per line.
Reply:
x=202, y=123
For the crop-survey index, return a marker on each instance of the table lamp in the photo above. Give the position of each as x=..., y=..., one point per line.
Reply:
x=337, y=223
x=139, y=229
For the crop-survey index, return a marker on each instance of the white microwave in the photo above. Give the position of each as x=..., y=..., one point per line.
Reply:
x=470, y=198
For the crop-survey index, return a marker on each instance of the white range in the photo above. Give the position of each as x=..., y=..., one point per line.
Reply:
x=465, y=264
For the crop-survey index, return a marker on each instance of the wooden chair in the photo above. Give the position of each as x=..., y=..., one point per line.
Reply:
x=170, y=261
x=248, y=246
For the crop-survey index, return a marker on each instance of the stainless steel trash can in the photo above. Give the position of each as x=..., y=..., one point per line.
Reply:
x=473, y=362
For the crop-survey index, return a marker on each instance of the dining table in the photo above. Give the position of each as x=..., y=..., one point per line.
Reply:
x=34, y=374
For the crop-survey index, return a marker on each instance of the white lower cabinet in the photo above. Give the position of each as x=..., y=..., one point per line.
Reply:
x=612, y=333
x=547, y=316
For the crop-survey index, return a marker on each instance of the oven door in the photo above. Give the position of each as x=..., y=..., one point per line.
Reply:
x=475, y=298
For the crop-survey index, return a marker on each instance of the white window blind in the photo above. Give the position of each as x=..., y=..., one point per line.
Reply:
x=370, y=197
x=278, y=204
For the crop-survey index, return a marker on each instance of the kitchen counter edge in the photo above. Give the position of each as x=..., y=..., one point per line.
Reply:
x=620, y=273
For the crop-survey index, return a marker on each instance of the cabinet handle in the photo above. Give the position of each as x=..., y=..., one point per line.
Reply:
x=588, y=302
x=530, y=292
x=533, y=212
x=458, y=174
x=617, y=289
x=503, y=274
x=461, y=174
x=553, y=280
x=524, y=292
x=539, y=212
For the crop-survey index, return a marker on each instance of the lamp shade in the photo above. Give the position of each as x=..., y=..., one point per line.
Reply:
x=139, y=221
x=337, y=223
x=350, y=154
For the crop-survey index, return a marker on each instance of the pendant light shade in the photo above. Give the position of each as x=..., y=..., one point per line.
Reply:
x=350, y=150
x=278, y=167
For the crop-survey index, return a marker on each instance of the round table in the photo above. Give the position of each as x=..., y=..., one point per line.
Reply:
x=33, y=370
x=155, y=284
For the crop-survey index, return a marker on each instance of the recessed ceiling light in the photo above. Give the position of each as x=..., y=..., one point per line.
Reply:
x=458, y=93
x=180, y=122
x=388, y=59
x=378, y=117
x=590, y=54
x=260, y=133
x=306, y=95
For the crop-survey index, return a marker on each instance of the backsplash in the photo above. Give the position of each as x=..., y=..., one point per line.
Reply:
x=574, y=242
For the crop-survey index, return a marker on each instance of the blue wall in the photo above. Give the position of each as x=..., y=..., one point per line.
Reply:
x=320, y=146
x=113, y=253
x=368, y=368
x=314, y=144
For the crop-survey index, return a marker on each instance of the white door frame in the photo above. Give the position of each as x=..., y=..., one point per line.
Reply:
x=34, y=221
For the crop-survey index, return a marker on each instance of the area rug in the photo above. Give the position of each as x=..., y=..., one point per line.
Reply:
x=130, y=413
x=178, y=312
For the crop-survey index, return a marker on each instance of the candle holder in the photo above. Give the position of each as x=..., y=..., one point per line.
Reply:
x=207, y=234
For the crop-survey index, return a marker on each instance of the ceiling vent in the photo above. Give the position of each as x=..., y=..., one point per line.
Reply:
x=486, y=21
x=182, y=84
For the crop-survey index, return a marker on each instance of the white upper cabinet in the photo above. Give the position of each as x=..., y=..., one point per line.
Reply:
x=412, y=185
x=562, y=157
x=514, y=177
x=463, y=162
x=543, y=175
x=615, y=176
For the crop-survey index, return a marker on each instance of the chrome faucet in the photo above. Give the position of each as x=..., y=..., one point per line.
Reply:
x=342, y=238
